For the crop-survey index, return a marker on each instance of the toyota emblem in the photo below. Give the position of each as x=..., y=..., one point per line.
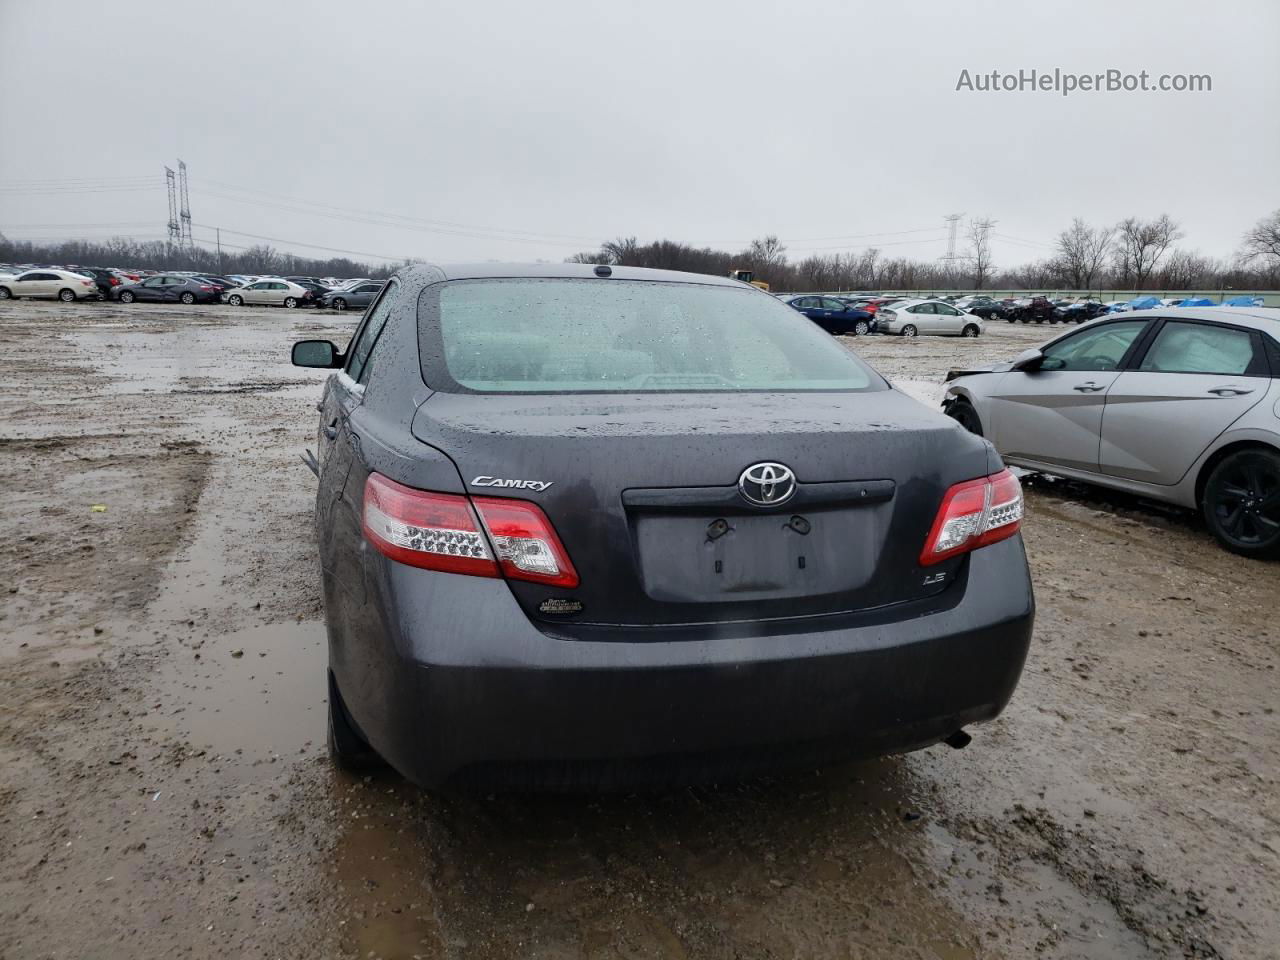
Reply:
x=767, y=484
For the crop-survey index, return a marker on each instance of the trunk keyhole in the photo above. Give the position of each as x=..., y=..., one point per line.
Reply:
x=717, y=529
x=800, y=525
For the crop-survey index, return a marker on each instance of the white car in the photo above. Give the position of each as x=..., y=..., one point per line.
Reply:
x=270, y=292
x=910, y=318
x=49, y=284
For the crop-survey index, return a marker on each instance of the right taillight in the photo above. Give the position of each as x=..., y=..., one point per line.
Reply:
x=973, y=514
x=442, y=531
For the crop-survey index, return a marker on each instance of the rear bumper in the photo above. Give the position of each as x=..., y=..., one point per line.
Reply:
x=446, y=676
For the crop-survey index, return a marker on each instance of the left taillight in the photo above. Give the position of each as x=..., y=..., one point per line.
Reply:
x=974, y=514
x=447, y=532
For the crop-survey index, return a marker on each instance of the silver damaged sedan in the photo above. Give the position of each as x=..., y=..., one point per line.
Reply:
x=1176, y=405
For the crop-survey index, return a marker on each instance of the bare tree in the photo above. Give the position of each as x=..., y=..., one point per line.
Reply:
x=766, y=253
x=1140, y=245
x=979, y=252
x=1082, y=250
x=1184, y=270
x=1262, y=242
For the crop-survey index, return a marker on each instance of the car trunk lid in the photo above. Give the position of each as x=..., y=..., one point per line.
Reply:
x=643, y=490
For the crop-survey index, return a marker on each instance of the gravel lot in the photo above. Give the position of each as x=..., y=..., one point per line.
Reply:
x=164, y=789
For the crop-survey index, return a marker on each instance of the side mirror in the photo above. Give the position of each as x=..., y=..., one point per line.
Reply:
x=1028, y=361
x=316, y=353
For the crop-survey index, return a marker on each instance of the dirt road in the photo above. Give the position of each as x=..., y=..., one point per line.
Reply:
x=164, y=789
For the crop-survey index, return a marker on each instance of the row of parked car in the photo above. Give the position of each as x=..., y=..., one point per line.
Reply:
x=963, y=315
x=106, y=283
x=904, y=316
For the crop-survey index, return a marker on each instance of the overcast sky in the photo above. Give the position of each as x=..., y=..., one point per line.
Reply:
x=526, y=130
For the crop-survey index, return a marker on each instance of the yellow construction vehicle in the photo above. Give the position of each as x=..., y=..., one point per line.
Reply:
x=747, y=276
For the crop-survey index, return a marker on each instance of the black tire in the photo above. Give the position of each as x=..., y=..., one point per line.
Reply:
x=127, y=297
x=188, y=298
x=290, y=302
x=66, y=295
x=1241, y=502
x=861, y=328
x=963, y=413
x=6, y=294
x=347, y=749
x=970, y=330
x=339, y=303
x=235, y=300
x=910, y=330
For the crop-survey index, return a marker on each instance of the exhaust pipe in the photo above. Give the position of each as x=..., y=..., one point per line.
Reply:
x=958, y=740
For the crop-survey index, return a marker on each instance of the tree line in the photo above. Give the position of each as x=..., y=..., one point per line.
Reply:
x=260, y=260
x=1134, y=254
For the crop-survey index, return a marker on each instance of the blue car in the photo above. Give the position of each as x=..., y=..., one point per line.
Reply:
x=833, y=315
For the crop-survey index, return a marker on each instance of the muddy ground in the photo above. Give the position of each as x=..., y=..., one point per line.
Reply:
x=164, y=788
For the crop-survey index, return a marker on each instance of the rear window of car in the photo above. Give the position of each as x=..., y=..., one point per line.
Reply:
x=625, y=336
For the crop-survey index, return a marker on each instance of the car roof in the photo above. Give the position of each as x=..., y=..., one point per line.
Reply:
x=486, y=271
x=1258, y=318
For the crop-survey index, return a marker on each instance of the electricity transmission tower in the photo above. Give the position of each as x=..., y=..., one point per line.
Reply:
x=952, y=220
x=175, y=230
x=185, y=214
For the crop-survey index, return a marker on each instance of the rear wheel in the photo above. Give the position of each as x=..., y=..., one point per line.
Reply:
x=347, y=749
x=6, y=293
x=1242, y=503
x=861, y=328
x=235, y=300
x=188, y=298
x=339, y=303
x=970, y=330
x=290, y=302
x=962, y=412
x=126, y=297
x=909, y=330
x=65, y=295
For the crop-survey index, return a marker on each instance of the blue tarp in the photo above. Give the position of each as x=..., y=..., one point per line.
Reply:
x=1144, y=303
x=1243, y=302
x=1197, y=302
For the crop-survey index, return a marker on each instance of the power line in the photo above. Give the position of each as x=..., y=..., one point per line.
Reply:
x=321, y=208
x=300, y=243
x=1031, y=243
x=887, y=243
x=19, y=182
x=50, y=226
x=60, y=191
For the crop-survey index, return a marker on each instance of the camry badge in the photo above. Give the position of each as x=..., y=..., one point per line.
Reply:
x=487, y=481
x=767, y=484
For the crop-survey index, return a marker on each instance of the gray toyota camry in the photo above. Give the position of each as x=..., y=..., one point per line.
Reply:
x=593, y=526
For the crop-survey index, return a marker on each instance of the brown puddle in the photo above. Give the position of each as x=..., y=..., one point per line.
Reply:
x=259, y=693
